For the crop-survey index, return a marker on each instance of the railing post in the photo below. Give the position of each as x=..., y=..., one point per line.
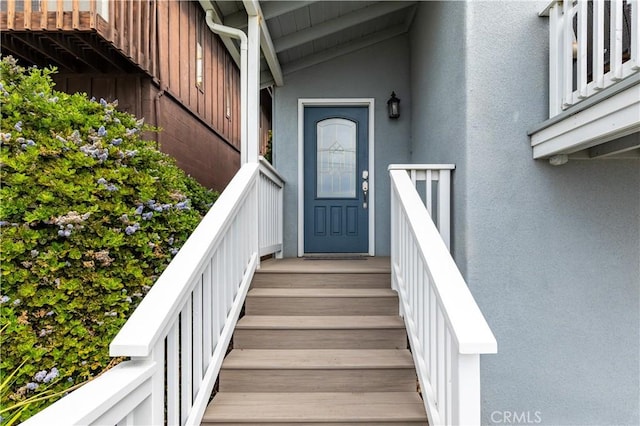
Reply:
x=555, y=64
x=466, y=395
x=444, y=206
x=253, y=88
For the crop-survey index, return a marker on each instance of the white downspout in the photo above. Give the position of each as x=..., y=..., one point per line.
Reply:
x=244, y=100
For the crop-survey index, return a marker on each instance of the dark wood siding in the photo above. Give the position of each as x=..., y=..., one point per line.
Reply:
x=160, y=38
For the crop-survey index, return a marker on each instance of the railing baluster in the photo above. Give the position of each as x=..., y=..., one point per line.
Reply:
x=27, y=14
x=59, y=14
x=598, y=44
x=75, y=14
x=567, y=54
x=635, y=34
x=186, y=358
x=207, y=322
x=197, y=336
x=429, y=186
x=44, y=15
x=582, y=49
x=173, y=375
x=615, y=57
x=555, y=60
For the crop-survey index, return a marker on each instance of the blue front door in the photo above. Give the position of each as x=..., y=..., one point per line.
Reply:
x=336, y=172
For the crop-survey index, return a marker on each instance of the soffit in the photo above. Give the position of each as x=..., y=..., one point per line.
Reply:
x=305, y=33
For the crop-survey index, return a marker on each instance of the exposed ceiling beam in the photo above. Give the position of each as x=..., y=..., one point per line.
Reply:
x=269, y=10
x=253, y=9
x=338, y=24
x=347, y=48
x=624, y=144
x=227, y=41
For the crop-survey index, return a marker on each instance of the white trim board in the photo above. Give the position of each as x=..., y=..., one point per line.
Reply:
x=337, y=102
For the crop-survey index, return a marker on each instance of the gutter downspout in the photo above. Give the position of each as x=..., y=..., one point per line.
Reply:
x=237, y=34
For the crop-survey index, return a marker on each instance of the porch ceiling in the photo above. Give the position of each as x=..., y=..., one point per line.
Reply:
x=300, y=34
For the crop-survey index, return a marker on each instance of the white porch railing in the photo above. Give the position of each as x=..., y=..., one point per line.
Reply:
x=433, y=183
x=178, y=335
x=446, y=329
x=577, y=37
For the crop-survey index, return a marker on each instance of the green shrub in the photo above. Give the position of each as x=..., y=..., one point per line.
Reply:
x=90, y=215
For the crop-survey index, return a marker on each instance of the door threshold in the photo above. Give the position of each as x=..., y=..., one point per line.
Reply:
x=336, y=256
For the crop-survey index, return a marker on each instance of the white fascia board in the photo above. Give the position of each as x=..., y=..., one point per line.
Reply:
x=266, y=44
x=338, y=24
x=610, y=119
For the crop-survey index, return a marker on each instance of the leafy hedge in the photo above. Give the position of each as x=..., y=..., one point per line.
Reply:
x=90, y=215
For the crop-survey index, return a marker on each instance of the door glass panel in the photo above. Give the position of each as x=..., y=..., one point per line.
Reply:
x=336, y=158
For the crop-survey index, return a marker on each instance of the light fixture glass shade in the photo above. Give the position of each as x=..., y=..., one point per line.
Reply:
x=393, y=104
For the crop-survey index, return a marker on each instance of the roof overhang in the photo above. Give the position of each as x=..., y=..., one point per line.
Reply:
x=299, y=34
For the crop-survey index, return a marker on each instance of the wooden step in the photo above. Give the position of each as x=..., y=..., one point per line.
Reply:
x=342, y=408
x=324, y=280
x=324, y=370
x=320, y=332
x=321, y=301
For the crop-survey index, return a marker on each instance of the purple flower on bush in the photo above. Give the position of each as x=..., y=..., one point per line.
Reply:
x=40, y=375
x=52, y=375
x=64, y=233
x=131, y=153
x=116, y=141
x=183, y=205
x=131, y=229
x=6, y=137
x=111, y=187
x=32, y=386
x=174, y=251
x=3, y=223
x=103, y=102
x=30, y=142
x=139, y=209
x=18, y=126
x=102, y=181
x=147, y=215
x=17, y=302
x=4, y=299
x=102, y=131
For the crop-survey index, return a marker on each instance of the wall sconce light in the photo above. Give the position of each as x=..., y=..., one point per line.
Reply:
x=393, y=104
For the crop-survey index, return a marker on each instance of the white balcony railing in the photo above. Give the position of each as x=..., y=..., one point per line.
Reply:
x=584, y=59
x=446, y=329
x=178, y=336
x=594, y=81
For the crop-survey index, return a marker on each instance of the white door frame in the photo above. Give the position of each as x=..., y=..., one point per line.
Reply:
x=338, y=102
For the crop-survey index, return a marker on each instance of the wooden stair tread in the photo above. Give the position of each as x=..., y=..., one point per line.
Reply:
x=329, y=359
x=319, y=322
x=381, y=265
x=365, y=407
x=321, y=292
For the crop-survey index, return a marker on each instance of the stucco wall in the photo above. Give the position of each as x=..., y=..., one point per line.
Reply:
x=438, y=112
x=372, y=72
x=551, y=254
